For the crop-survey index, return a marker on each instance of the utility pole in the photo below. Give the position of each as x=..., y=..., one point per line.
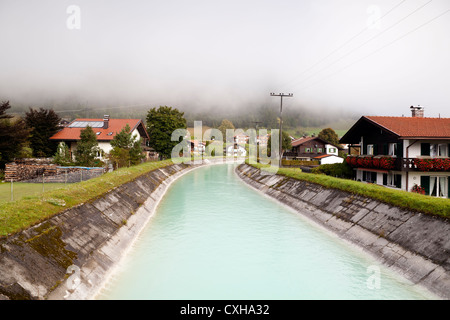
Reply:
x=281, y=95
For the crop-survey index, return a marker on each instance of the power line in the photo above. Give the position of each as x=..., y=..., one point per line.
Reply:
x=345, y=43
x=379, y=49
x=370, y=40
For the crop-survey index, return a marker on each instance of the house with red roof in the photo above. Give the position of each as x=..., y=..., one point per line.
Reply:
x=408, y=153
x=105, y=130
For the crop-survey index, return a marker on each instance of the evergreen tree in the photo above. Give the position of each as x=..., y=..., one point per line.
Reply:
x=126, y=149
x=87, y=148
x=161, y=123
x=62, y=155
x=43, y=124
x=13, y=135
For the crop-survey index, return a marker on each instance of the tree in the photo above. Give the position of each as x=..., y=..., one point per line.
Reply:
x=13, y=135
x=87, y=148
x=329, y=135
x=226, y=124
x=286, y=142
x=43, y=124
x=126, y=148
x=161, y=123
x=62, y=155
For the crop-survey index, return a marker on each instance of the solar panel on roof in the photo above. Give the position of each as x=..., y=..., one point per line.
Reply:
x=84, y=124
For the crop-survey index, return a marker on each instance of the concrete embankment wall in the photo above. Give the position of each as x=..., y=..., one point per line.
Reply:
x=414, y=244
x=70, y=255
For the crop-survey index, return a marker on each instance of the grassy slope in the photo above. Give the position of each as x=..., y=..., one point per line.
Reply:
x=25, y=189
x=399, y=198
x=18, y=215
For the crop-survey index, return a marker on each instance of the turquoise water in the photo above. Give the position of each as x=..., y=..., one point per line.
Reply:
x=213, y=238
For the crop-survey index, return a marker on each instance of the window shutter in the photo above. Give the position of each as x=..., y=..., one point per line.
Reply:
x=399, y=150
x=425, y=183
x=425, y=149
x=398, y=181
x=448, y=187
x=385, y=149
x=375, y=149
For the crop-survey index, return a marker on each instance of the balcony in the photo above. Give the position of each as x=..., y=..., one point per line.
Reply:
x=399, y=164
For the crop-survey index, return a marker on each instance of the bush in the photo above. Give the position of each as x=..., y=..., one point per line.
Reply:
x=340, y=170
x=294, y=163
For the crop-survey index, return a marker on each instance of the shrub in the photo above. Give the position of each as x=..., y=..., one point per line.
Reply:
x=341, y=170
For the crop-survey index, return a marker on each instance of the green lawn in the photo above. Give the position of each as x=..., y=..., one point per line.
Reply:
x=21, y=214
x=21, y=190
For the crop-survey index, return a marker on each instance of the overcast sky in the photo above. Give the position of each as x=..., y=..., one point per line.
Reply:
x=376, y=57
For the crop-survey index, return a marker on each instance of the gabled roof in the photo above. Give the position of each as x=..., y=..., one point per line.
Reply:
x=414, y=127
x=401, y=127
x=73, y=130
x=301, y=141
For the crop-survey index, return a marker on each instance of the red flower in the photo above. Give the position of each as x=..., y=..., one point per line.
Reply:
x=418, y=189
x=376, y=162
x=387, y=163
x=424, y=164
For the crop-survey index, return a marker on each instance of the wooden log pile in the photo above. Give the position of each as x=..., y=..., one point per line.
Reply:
x=25, y=169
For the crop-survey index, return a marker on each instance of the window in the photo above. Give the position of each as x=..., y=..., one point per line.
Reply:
x=438, y=150
x=332, y=150
x=438, y=187
x=319, y=150
x=392, y=149
x=370, y=177
x=392, y=180
x=434, y=150
x=370, y=149
x=307, y=150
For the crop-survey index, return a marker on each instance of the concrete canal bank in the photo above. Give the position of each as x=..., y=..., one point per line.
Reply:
x=70, y=255
x=415, y=245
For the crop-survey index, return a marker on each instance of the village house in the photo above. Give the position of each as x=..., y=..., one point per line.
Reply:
x=314, y=149
x=197, y=147
x=105, y=130
x=407, y=153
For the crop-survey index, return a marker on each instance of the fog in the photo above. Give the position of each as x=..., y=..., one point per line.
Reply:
x=374, y=57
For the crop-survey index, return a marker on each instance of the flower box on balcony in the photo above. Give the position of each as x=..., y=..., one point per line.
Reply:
x=371, y=162
x=433, y=164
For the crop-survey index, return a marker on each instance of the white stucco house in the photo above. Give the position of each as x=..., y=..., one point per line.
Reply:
x=105, y=130
x=403, y=152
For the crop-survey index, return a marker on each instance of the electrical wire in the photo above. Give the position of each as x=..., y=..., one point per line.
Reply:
x=344, y=44
x=369, y=40
x=379, y=49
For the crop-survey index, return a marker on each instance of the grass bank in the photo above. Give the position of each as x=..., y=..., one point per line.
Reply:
x=21, y=214
x=21, y=189
x=398, y=198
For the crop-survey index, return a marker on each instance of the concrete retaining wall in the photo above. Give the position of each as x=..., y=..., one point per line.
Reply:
x=69, y=256
x=414, y=244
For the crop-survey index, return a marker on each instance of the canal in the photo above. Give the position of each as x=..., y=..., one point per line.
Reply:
x=214, y=238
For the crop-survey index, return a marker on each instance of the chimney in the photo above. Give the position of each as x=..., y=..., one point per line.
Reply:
x=106, y=121
x=417, y=112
